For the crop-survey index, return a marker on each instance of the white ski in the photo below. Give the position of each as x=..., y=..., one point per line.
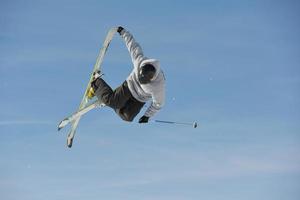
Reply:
x=79, y=113
x=85, y=99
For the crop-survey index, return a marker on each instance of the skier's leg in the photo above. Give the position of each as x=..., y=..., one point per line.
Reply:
x=120, y=99
x=115, y=99
x=131, y=109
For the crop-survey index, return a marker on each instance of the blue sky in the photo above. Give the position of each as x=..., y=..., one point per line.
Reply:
x=232, y=66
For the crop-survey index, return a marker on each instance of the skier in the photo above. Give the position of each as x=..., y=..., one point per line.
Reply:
x=145, y=82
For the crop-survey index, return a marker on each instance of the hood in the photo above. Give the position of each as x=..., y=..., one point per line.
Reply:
x=153, y=62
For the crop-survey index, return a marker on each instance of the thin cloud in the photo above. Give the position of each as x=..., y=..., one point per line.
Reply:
x=25, y=122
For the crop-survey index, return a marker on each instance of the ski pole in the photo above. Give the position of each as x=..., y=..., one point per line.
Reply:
x=194, y=124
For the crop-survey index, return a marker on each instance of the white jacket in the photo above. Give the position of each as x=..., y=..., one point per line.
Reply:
x=155, y=90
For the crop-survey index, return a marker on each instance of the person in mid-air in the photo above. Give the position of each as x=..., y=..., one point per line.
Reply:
x=145, y=82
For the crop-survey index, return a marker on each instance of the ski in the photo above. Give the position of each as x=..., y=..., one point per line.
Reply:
x=85, y=100
x=79, y=113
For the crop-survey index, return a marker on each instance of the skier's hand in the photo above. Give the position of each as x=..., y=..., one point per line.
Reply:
x=120, y=29
x=144, y=119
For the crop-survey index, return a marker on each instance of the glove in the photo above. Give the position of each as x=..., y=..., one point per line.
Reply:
x=120, y=29
x=144, y=119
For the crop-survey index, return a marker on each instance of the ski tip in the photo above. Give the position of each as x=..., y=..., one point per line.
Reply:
x=59, y=127
x=62, y=124
x=69, y=142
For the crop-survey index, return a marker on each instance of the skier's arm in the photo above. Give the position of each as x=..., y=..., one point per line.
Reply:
x=133, y=47
x=158, y=100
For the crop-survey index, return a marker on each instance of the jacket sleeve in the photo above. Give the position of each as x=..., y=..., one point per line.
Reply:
x=158, y=101
x=133, y=47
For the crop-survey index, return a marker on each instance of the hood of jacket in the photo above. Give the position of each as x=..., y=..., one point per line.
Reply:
x=155, y=64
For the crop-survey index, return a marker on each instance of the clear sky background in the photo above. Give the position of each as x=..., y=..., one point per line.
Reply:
x=232, y=66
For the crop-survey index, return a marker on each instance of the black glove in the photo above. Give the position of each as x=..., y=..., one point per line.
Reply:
x=120, y=29
x=144, y=119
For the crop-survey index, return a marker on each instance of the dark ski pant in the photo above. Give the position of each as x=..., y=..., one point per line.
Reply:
x=120, y=99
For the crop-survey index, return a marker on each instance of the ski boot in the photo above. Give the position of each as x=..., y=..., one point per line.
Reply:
x=93, y=87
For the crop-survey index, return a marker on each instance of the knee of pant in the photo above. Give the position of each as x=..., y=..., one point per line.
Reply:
x=126, y=117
